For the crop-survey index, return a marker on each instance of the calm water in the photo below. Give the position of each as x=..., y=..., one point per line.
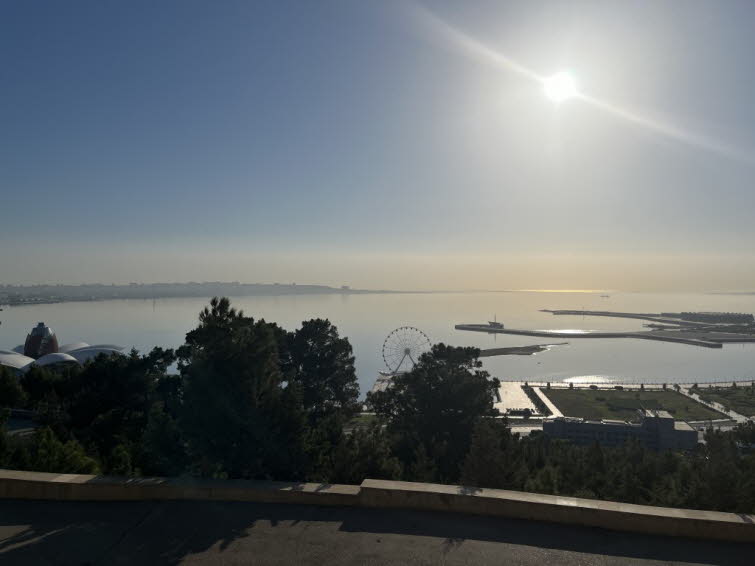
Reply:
x=367, y=319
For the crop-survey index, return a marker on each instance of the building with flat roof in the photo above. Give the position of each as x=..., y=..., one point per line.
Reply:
x=657, y=430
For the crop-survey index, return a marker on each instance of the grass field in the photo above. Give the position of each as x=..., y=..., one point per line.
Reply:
x=362, y=420
x=740, y=399
x=598, y=404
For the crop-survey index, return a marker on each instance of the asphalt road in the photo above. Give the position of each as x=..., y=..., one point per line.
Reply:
x=144, y=533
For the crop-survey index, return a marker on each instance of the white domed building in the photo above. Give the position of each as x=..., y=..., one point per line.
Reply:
x=41, y=349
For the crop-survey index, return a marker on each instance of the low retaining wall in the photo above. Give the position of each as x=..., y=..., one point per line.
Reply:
x=568, y=510
x=73, y=487
x=390, y=495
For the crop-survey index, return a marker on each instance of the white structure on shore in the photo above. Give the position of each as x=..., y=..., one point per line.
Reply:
x=49, y=354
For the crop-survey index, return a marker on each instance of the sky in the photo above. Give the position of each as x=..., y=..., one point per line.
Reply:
x=394, y=144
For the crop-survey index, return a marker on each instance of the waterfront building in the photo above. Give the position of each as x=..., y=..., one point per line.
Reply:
x=41, y=349
x=40, y=341
x=657, y=430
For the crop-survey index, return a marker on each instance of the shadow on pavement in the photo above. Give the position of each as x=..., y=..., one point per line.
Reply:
x=81, y=533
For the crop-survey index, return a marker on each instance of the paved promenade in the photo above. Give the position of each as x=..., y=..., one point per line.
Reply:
x=77, y=533
x=739, y=419
x=555, y=412
x=513, y=397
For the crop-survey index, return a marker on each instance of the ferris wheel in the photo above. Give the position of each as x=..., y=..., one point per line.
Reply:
x=403, y=347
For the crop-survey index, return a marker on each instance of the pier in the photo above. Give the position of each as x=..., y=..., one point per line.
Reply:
x=704, y=329
x=703, y=339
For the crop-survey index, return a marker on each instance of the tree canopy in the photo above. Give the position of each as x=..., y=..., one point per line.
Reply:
x=431, y=410
x=238, y=418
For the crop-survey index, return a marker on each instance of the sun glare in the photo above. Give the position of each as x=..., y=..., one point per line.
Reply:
x=560, y=87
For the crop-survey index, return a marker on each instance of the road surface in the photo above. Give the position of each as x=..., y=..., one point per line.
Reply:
x=43, y=533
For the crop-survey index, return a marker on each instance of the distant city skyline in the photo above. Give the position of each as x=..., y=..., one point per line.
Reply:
x=390, y=145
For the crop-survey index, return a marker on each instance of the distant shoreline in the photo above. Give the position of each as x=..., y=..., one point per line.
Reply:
x=25, y=295
x=53, y=294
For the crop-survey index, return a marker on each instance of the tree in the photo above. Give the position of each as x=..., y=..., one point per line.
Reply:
x=488, y=463
x=12, y=394
x=322, y=364
x=44, y=452
x=163, y=451
x=4, y=455
x=238, y=418
x=365, y=453
x=37, y=383
x=433, y=409
x=163, y=446
x=109, y=401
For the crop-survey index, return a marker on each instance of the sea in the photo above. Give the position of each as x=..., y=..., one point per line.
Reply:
x=367, y=319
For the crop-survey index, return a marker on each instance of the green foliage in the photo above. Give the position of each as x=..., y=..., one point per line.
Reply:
x=718, y=475
x=366, y=453
x=44, y=452
x=488, y=462
x=252, y=400
x=41, y=384
x=739, y=399
x=163, y=451
x=119, y=461
x=321, y=363
x=12, y=395
x=4, y=451
x=108, y=403
x=431, y=411
x=237, y=417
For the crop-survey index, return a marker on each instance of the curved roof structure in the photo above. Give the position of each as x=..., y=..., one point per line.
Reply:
x=85, y=354
x=15, y=361
x=107, y=347
x=41, y=340
x=75, y=346
x=56, y=358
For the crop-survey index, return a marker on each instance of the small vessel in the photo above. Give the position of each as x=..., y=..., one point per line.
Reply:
x=494, y=323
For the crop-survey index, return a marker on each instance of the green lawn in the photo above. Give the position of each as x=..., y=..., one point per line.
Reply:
x=362, y=420
x=598, y=404
x=740, y=399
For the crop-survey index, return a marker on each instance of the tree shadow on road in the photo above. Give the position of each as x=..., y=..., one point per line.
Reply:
x=38, y=532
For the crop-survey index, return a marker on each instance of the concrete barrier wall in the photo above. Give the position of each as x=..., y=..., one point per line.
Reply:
x=391, y=495
x=567, y=510
x=72, y=487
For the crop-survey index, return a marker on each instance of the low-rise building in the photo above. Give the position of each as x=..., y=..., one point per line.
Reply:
x=657, y=430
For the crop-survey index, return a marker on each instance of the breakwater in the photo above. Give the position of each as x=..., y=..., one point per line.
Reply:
x=678, y=337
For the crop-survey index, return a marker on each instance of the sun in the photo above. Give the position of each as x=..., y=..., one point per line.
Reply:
x=560, y=86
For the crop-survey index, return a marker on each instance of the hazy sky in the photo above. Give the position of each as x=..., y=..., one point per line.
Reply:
x=378, y=144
